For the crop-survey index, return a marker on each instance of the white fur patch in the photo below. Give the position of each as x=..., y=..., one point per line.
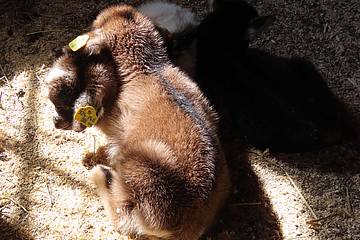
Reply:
x=98, y=177
x=169, y=16
x=54, y=73
x=113, y=151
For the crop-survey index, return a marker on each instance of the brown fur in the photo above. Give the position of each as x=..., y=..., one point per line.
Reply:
x=168, y=177
x=76, y=80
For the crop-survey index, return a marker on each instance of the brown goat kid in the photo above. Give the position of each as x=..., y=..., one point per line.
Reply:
x=168, y=177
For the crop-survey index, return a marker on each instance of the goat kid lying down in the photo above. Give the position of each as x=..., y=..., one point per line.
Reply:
x=168, y=177
x=268, y=101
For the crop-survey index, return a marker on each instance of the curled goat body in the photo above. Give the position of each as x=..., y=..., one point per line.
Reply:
x=167, y=177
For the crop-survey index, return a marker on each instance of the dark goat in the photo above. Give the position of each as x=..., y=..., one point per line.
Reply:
x=273, y=102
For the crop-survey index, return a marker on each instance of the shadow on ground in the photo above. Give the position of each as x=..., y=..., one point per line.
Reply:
x=340, y=159
x=249, y=213
x=32, y=162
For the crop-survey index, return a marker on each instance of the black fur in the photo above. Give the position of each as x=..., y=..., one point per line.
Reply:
x=108, y=176
x=271, y=102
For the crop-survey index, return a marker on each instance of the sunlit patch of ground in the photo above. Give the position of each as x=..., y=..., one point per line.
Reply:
x=310, y=204
x=44, y=185
x=286, y=202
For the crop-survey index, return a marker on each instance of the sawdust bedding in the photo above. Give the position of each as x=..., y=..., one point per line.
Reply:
x=44, y=190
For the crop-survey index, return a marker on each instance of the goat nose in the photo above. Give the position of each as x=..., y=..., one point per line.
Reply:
x=58, y=121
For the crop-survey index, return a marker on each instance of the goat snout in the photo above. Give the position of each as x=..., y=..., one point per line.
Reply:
x=77, y=127
x=61, y=123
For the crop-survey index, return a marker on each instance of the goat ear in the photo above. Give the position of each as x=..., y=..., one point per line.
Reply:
x=66, y=50
x=95, y=44
x=258, y=25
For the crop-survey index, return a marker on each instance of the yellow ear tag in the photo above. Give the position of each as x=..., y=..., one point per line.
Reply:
x=86, y=116
x=79, y=42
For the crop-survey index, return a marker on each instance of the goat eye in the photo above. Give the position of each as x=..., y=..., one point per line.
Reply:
x=64, y=92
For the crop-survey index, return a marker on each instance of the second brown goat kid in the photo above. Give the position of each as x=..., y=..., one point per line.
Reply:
x=168, y=177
